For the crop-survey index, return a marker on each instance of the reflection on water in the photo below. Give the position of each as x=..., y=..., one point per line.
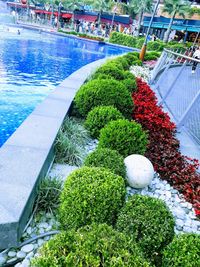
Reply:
x=32, y=64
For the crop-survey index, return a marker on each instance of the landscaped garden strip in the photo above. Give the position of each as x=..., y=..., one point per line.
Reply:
x=163, y=148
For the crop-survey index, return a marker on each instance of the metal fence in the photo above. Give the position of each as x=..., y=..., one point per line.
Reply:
x=179, y=89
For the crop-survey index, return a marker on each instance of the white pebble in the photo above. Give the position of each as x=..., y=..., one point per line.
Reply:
x=12, y=254
x=27, y=248
x=2, y=260
x=21, y=255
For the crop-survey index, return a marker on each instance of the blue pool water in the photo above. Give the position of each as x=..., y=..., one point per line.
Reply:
x=32, y=64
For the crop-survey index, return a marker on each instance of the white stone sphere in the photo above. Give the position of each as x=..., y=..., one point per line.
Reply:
x=139, y=171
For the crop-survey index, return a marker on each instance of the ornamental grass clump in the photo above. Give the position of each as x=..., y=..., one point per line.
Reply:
x=127, y=137
x=70, y=142
x=98, y=117
x=149, y=222
x=48, y=195
x=97, y=245
x=107, y=158
x=183, y=251
x=91, y=195
x=100, y=92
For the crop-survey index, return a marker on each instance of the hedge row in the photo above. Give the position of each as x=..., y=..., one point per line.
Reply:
x=137, y=42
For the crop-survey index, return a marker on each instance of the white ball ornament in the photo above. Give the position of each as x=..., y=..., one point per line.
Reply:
x=139, y=171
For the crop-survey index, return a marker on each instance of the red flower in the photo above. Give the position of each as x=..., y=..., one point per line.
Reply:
x=163, y=149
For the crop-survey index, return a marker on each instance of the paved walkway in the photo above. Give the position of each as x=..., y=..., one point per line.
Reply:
x=183, y=91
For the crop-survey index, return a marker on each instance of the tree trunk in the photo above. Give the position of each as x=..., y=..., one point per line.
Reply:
x=139, y=23
x=166, y=36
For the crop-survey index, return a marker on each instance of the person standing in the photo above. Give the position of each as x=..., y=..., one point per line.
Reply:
x=197, y=56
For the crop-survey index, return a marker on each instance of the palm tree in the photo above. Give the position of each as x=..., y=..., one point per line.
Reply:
x=174, y=7
x=101, y=6
x=139, y=7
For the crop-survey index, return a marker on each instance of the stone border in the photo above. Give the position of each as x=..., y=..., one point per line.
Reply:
x=28, y=154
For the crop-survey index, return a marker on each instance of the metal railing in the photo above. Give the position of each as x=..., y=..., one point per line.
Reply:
x=179, y=89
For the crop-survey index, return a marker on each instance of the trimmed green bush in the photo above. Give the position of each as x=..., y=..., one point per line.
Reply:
x=91, y=195
x=92, y=246
x=140, y=42
x=183, y=251
x=105, y=92
x=111, y=69
x=130, y=81
x=124, y=136
x=137, y=62
x=155, y=46
x=149, y=222
x=130, y=57
x=120, y=62
x=107, y=158
x=122, y=39
x=150, y=56
x=98, y=117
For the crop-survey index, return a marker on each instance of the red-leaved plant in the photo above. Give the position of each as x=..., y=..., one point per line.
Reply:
x=163, y=149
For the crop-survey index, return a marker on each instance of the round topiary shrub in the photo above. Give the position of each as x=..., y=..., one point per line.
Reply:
x=149, y=222
x=116, y=62
x=130, y=81
x=98, y=117
x=107, y=158
x=123, y=61
x=91, y=195
x=92, y=246
x=111, y=69
x=103, y=93
x=130, y=57
x=137, y=62
x=124, y=136
x=183, y=251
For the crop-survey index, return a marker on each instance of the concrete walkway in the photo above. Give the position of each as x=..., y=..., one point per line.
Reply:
x=183, y=92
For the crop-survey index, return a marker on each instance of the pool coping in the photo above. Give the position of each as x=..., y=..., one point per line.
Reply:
x=28, y=154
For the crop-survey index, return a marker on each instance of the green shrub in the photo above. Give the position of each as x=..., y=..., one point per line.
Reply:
x=122, y=39
x=150, y=56
x=107, y=158
x=184, y=251
x=111, y=69
x=140, y=42
x=155, y=46
x=70, y=142
x=130, y=81
x=177, y=47
x=117, y=63
x=98, y=117
x=107, y=92
x=130, y=57
x=137, y=62
x=149, y=222
x=124, y=136
x=120, y=62
x=101, y=77
x=92, y=246
x=123, y=62
x=91, y=195
x=137, y=54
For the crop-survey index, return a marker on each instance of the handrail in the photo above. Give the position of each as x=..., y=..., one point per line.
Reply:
x=182, y=55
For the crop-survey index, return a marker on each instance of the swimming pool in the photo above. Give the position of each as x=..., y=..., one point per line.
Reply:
x=32, y=64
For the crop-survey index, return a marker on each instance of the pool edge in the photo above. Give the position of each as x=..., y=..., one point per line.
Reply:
x=27, y=155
